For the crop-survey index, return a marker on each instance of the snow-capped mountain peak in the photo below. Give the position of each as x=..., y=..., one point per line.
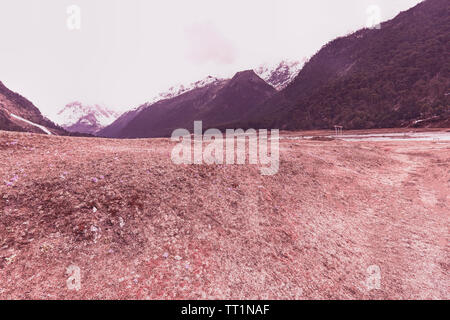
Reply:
x=179, y=89
x=78, y=117
x=279, y=75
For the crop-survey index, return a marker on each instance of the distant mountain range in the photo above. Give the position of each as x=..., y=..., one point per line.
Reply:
x=217, y=102
x=164, y=111
x=77, y=117
x=174, y=91
x=395, y=76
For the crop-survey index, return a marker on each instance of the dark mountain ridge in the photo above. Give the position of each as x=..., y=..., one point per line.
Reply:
x=215, y=104
x=372, y=78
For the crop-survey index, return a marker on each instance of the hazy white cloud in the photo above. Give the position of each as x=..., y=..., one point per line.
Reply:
x=207, y=44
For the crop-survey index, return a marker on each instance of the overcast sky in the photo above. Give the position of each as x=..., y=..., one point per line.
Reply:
x=126, y=51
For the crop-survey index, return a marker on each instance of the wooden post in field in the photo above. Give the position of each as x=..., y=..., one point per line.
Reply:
x=338, y=130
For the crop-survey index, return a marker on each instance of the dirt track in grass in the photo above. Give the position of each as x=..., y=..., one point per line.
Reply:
x=140, y=227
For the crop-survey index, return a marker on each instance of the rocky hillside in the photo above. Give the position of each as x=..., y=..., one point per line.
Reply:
x=19, y=114
x=388, y=77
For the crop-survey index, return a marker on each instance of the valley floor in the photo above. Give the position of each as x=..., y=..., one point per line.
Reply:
x=137, y=226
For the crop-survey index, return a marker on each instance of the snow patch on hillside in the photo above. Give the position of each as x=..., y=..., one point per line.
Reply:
x=31, y=123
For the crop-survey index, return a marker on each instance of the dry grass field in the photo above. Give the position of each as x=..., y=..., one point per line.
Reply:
x=140, y=227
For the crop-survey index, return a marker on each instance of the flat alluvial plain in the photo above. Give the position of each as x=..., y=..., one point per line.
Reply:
x=140, y=227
